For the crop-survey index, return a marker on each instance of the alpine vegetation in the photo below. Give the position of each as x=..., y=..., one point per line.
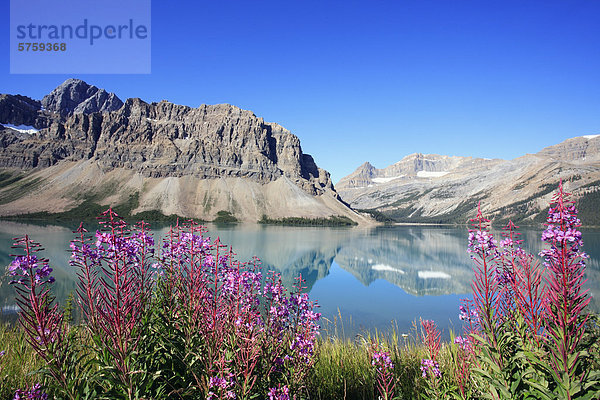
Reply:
x=527, y=333
x=186, y=322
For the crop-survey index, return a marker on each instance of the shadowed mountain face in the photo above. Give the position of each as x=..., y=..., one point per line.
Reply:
x=176, y=159
x=443, y=189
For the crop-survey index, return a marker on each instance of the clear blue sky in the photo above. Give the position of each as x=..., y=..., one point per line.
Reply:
x=374, y=80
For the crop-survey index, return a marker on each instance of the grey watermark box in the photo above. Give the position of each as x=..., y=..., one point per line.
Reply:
x=74, y=36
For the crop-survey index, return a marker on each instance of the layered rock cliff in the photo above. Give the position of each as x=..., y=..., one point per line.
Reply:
x=86, y=143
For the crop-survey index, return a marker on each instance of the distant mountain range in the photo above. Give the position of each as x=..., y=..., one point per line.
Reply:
x=433, y=188
x=83, y=145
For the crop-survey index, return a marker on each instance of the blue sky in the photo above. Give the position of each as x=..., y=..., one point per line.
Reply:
x=374, y=80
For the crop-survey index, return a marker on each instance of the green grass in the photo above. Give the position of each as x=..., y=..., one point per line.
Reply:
x=343, y=367
x=19, y=363
x=17, y=188
x=7, y=178
x=342, y=370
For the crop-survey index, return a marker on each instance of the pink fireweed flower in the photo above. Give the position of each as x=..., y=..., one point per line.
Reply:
x=430, y=368
x=504, y=277
x=382, y=361
x=220, y=385
x=218, y=382
x=466, y=315
x=464, y=343
x=23, y=266
x=35, y=393
x=481, y=241
x=279, y=393
x=384, y=368
x=312, y=316
x=566, y=299
x=40, y=317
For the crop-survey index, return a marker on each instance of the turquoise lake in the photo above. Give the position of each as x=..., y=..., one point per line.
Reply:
x=369, y=276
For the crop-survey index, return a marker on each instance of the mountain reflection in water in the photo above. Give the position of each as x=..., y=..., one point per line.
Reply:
x=370, y=276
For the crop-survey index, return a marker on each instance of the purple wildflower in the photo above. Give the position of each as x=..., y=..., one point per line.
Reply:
x=219, y=385
x=384, y=370
x=566, y=299
x=430, y=367
x=466, y=315
x=25, y=266
x=504, y=277
x=481, y=241
x=382, y=361
x=464, y=343
x=35, y=393
x=216, y=381
x=279, y=393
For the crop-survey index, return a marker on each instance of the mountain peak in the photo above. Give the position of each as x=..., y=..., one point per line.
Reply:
x=75, y=96
x=193, y=162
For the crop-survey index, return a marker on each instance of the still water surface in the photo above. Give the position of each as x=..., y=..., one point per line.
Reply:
x=369, y=276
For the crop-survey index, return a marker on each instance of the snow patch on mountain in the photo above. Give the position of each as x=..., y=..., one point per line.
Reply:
x=431, y=174
x=30, y=130
x=385, y=180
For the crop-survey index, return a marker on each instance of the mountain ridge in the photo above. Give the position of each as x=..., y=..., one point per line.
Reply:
x=167, y=153
x=447, y=189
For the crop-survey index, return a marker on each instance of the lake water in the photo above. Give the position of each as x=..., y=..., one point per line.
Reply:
x=369, y=276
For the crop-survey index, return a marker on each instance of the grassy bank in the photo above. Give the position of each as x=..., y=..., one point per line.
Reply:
x=19, y=363
x=342, y=369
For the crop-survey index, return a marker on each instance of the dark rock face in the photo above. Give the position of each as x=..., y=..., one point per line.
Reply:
x=19, y=110
x=76, y=96
x=83, y=122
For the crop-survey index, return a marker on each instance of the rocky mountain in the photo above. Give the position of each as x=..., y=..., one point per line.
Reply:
x=81, y=143
x=443, y=189
x=75, y=96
